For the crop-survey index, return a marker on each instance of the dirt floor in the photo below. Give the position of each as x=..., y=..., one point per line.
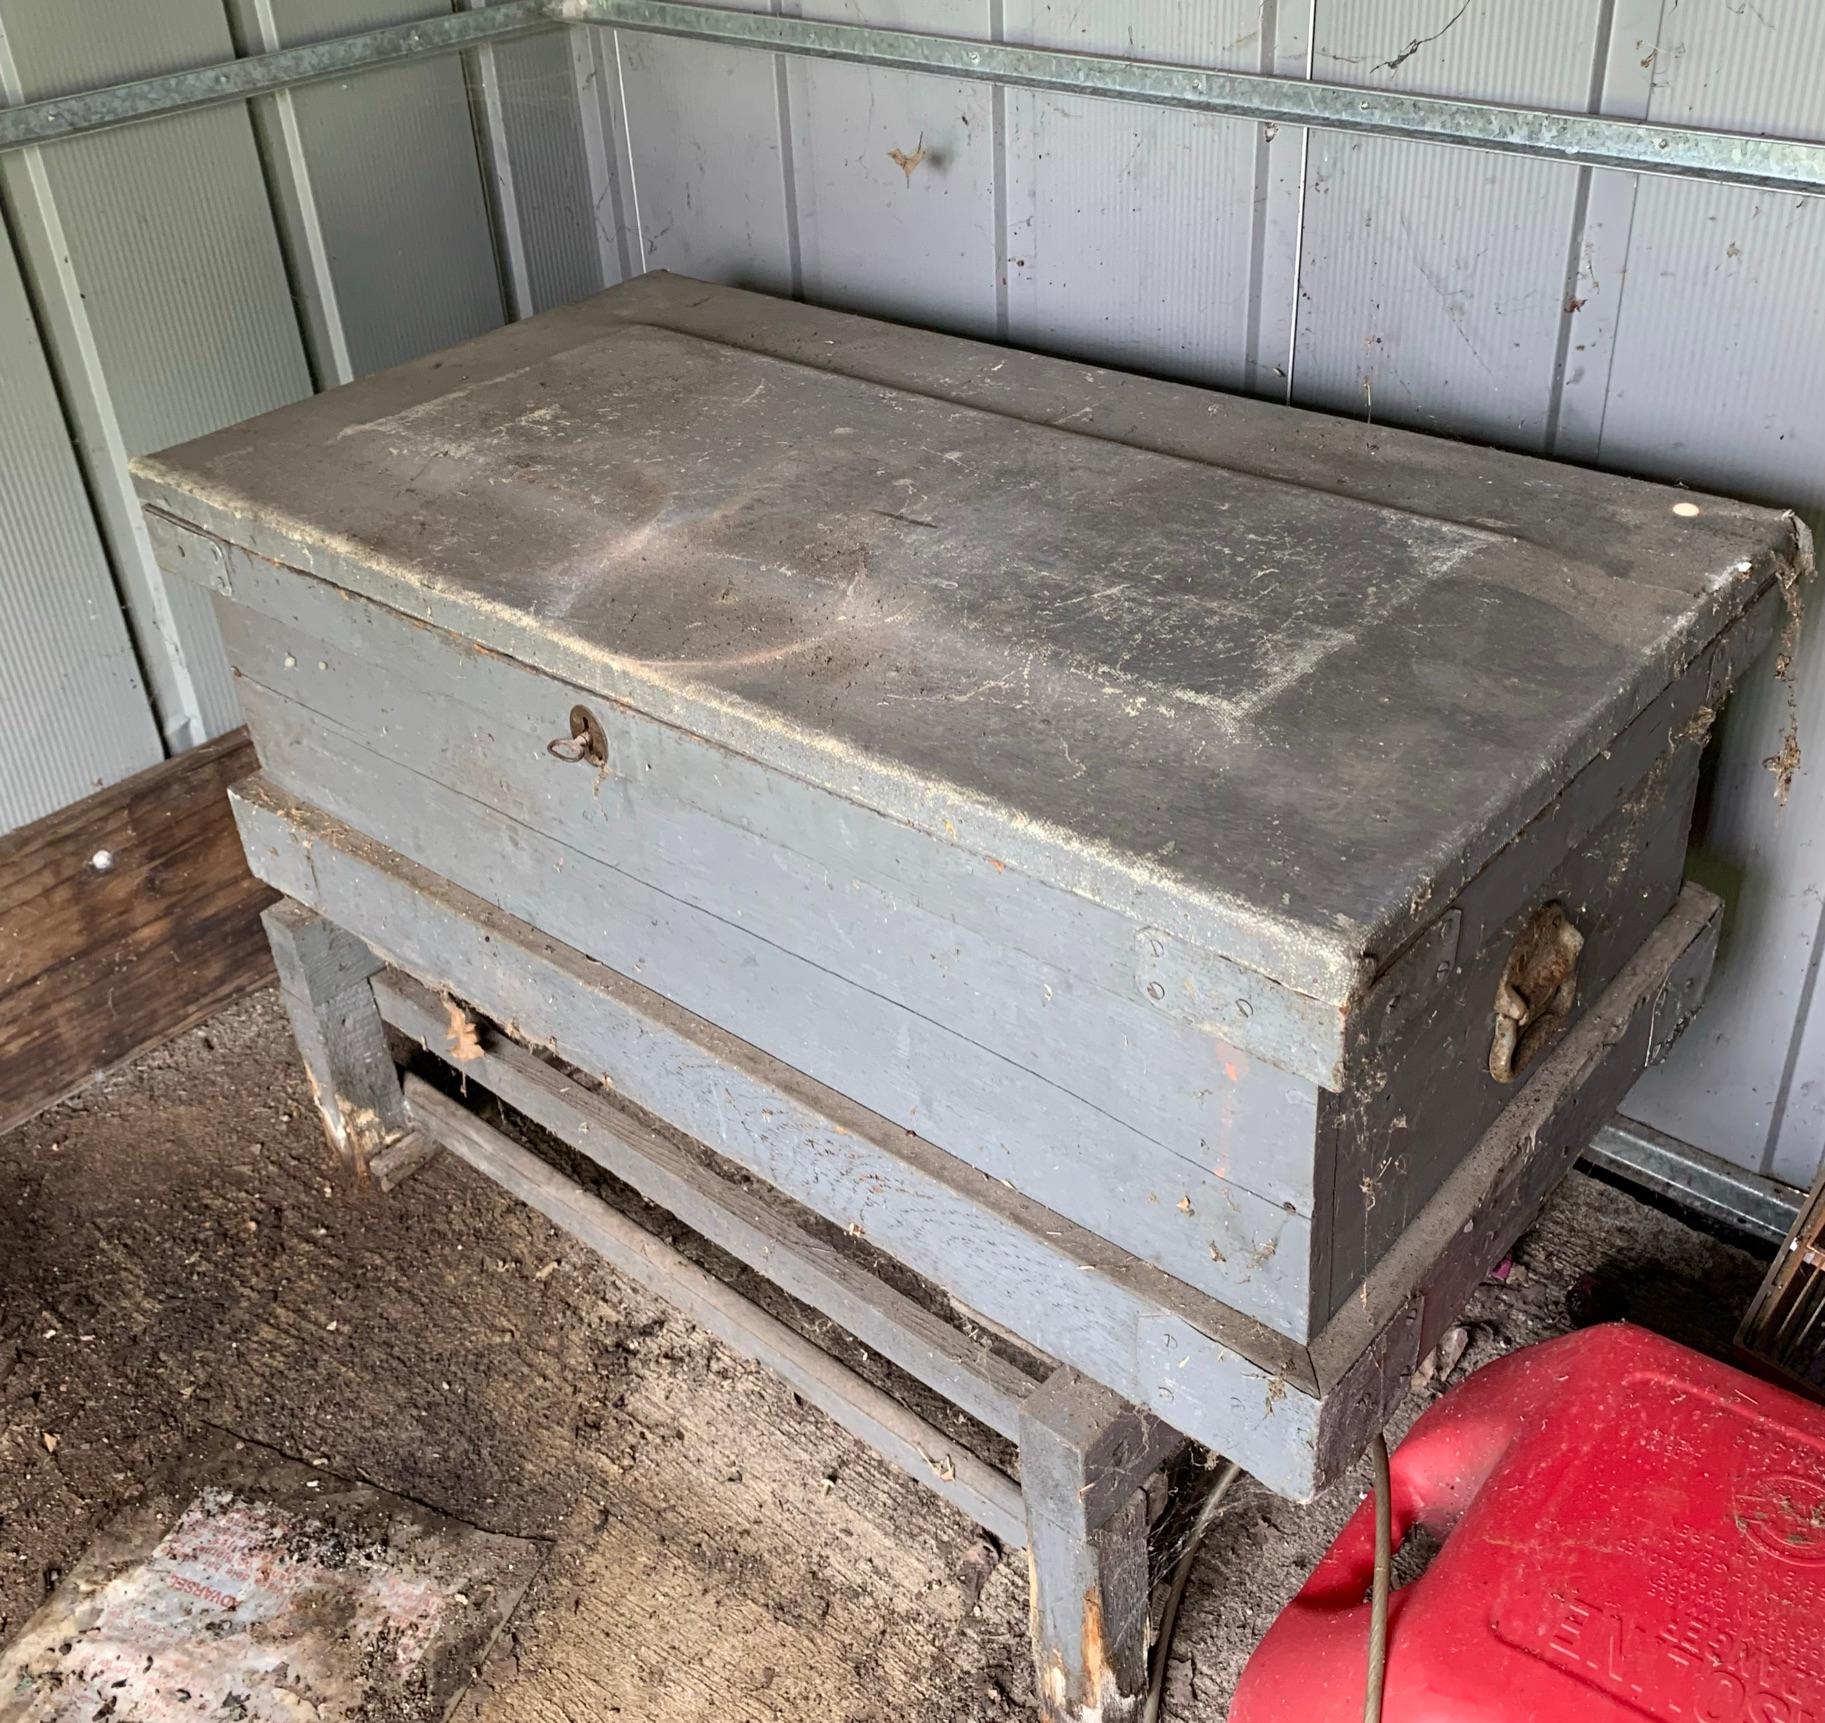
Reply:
x=176, y=1260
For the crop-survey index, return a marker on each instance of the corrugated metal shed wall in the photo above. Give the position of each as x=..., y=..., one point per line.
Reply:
x=1131, y=234
x=1594, y=316
x=1432, y=280
x=398, y=185
x=169, y=278
x=1716, y=375
x=1642, y=324
x=67, y=650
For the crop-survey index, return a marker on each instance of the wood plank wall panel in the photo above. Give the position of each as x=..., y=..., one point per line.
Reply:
x=99, y=962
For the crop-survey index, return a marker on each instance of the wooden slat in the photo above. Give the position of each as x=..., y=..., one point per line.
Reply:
x=99, y=961
x=1198, y=1366
x=1783, y=1330
x=989, y=1497
x=752, y=1225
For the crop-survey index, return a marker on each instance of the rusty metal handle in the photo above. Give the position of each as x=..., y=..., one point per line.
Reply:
x=587, y=740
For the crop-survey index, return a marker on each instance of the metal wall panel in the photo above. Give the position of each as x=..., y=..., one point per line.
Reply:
x=1538, y=306
x=924, y=245
x=1433, y=281
x=1716, y=378
x=703, y=163
x=1797, y=1148
x=1738, y=1083
x=154, y=253
x=398, y=187
x=174, y=263
x=294, y=201
x=1132, y=231
x=547, y=153
x=1600, y=268
x=594, y=68
x=73, y=709
x=1286, y=51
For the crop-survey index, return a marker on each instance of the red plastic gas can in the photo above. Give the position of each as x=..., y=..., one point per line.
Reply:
x=1628, y=1531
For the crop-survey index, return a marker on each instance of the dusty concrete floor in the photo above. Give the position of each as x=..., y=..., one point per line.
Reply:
x=175, y=1260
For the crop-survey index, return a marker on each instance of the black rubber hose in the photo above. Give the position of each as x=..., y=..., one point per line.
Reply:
x=1169, y=1617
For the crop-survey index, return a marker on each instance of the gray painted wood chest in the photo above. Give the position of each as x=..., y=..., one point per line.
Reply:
x=1186, y=830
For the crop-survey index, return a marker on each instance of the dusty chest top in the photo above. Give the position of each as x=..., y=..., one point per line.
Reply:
x=1273, y=680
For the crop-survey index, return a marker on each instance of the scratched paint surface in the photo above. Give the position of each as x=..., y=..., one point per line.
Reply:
x=260, y=1610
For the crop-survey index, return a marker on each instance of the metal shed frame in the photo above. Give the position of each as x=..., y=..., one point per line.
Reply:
x=1589, y=140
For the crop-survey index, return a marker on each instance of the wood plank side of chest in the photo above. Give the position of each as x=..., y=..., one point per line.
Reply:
x=919, y=997
x=1608, y=854
x=1013, y=1025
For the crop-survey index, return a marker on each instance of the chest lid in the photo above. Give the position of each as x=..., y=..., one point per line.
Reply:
x=1271, y=682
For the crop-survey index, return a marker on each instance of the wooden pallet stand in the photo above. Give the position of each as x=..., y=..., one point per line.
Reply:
x=1121, y=1365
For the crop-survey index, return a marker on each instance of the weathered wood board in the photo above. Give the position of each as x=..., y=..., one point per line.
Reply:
x=124, y=918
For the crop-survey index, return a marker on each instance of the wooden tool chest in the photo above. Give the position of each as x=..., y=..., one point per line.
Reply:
x=1181, y=874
